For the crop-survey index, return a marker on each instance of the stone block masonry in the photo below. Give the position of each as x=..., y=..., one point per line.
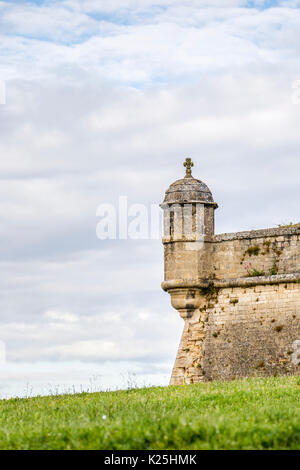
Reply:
x=238, y=293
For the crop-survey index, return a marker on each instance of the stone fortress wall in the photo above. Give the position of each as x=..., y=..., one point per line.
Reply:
x=238, y=293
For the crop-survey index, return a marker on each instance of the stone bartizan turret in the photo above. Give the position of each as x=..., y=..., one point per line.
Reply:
x=214, y=280
x=189, y=225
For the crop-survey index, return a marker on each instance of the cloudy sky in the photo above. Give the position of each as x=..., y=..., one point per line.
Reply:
x=106, y=99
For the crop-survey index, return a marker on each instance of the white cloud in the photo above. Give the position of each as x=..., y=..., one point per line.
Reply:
x=66, y=317
x=52, y=22
x=131, y=334
x=95, y=349
x=171, y=44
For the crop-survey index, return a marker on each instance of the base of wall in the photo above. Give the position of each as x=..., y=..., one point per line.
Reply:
x=242, y=331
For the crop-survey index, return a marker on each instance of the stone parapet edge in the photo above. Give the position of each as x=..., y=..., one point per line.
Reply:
x=235, y=282
x=224, y=237
x=270, y=232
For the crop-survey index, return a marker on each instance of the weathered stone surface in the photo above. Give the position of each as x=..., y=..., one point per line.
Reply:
x=239, y=295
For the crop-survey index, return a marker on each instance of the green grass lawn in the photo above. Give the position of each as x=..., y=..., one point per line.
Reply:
x=245, y=414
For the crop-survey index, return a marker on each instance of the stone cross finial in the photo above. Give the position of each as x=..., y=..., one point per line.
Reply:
x=188, y=164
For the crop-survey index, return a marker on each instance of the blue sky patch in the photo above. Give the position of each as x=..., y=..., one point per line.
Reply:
x=265, y=5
